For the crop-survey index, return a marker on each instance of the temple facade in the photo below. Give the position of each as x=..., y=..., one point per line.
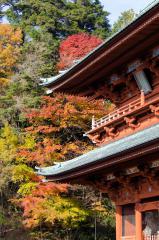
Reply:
x=125, y=164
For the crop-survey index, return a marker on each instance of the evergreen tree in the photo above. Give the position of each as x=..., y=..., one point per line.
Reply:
x=88, y=16
x=124, y=19
x=58, y=17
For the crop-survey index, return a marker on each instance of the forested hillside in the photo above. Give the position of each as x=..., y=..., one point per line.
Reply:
x=41, y=38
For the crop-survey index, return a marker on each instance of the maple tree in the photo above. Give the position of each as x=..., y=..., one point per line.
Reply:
x=59, y=125
x=45, y=205
x=54, y=133
x=36, y=198
x=10, y=40
x=75, y=47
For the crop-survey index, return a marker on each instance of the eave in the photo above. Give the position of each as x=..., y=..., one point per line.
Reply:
x=141, y=34
x=106, y=157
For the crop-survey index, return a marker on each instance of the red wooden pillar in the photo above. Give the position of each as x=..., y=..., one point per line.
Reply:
x=138, y=221
x=118, y=222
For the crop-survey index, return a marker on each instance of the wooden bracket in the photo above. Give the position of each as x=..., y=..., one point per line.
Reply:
x=131, y=122
x=155, y=110
x=148, y=173
x=94, y=138
x=97, y=138
x=111, y=132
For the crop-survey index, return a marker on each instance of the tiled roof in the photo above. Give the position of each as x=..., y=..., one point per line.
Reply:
x=136, y=140
x=48, y=81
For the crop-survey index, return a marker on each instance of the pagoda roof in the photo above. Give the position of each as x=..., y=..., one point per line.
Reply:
x=134, y=33
x=61, y=171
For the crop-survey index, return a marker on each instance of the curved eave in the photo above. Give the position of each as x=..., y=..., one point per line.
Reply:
x=101, y=155
x=145, y=25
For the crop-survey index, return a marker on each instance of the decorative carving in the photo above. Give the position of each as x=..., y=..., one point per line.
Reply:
x=148, y=173
x=111, y=132
x=95, y=138
x=123, y=190
x=131, y=122
x=155, y=110
x=129, y=189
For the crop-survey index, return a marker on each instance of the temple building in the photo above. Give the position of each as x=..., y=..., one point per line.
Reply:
x=125, y=164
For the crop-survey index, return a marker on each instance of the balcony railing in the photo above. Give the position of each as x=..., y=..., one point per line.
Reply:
x=123, y=111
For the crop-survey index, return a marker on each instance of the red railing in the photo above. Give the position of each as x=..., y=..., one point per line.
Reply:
x=123, y=111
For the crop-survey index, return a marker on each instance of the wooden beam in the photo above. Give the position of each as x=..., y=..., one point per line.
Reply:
x=118, y=222
x=149, y=206
x=138, y=220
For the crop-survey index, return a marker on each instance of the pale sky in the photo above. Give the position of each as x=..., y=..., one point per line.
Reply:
x=115, y=7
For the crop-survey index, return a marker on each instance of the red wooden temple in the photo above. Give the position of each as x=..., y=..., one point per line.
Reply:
x=125, y=70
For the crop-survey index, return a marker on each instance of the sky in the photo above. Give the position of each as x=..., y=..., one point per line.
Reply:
x=115, y=7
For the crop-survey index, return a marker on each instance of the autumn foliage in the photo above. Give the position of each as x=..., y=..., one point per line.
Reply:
x=57, y=128
x=43, y=131
x=75, y=47
x=10, y=40
x=55, y=133
x=36, y=205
